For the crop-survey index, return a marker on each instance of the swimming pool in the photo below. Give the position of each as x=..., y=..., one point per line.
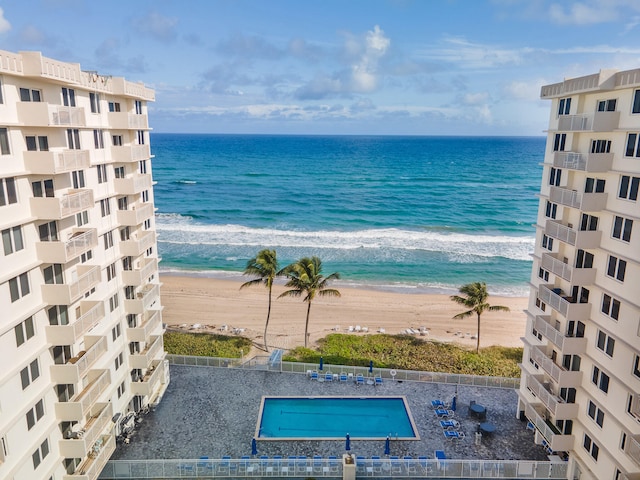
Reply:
x=331, y=418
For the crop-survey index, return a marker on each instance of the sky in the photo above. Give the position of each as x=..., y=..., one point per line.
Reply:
x=362, y=67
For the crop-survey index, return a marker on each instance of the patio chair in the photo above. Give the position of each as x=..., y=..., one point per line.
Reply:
x=437, y=404
x=244, y=464
x=378, y=380
x=314, y=375
x=425, y=464
x=450, y=434
x=328, y=377
x=302, y=466
x=361, y=464
x=291, y=465
x=376, y=463
x=343, y=377
x=224, y=465
x=317, y=463
x=360, y=379
x=333, y=463
x=396, y=466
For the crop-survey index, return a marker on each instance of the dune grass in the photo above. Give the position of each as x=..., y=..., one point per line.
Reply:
x=206, y=344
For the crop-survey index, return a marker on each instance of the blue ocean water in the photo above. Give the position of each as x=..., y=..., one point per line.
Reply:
x=402, y=213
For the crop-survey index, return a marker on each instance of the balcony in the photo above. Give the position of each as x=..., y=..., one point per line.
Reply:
x=566, y=306
x=145, y=267
x=556, y=440
x=585, y=162
x=130, y=153
x=145, y=299
x=53, y=163
x=142, y=332
x=63, y=252
x=584, y=239
x=42, y=114
x=68, y=293
x=589, y=122
x=57, y=208
x=92, y=430
x=578, y=276
x=91, y=314
x=79, y=406
x=632, y=447
x=558, y=408
x=77, y=367
x=91, y=468
x=134, y=184
x=128, y=121
x=562, y=376
x=587, y=202
x=137, y=244
x=153, y=351
x=138, y=214
x=150, y=382
x=568, y=345
x=132, y=89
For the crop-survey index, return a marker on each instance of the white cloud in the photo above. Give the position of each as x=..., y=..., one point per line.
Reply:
x=469, y=55
x=364, y=78
x=526, y=91
x=157, y=26
x=590, y=12
x=5, y=26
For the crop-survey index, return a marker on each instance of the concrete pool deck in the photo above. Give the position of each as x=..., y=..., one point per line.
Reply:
x=208, y=411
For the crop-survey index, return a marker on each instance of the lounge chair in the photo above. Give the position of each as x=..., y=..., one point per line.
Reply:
x=358, y=328
x=365, y=329
x=378, y=380
x=244, y=464
x=224, y=465
x=439, y=454
x=449, y=424
x=381, y=330
x=328, y=377
x=437, y=403
x=314, y=375
x=302, y=466
x=317, y=463
x=343, y=377
x=361, y=464
x=350, y=329
x=376, y=463
x=396, y=466
x=409, y=464
x=333, y=463
x=360, y=379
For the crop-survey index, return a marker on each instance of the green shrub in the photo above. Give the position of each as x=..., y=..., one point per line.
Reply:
x=206, y=344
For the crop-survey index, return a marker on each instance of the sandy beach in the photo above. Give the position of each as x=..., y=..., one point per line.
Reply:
x=213, y=303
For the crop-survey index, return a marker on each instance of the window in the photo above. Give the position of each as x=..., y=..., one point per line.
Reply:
x=94, y=99
x=559, y=142
x=140, y=137
x=600, y=146
x=85, y=257
x=629, y=187
x=116, y=332
x=142, y=166
x=600, y=379
x=636, y=365
x=117, y=140
x=138, y=106
x=114, y=106
x=27, y=95
x=541, y=305
x=40, y=453
x=616, y=268
x=125, y=234
x=595, y=413
x=622, y=228
x=98, y=139
x=30, y=374
x=145, y=195
x=24, y=331
x=633, y=149
x=111, y=272
x=105, y=207
x=564, y=106
x=113, y=302
x=594, y=185
x=73, y=138
x=547, y=242
x=591, y=447
x=121, y=390
x=605, y=343
x=119, y=360
x=554, y=176
x=119, y=172
x=35, y=414
x=53, y=274
x=82, y=218
x=551, y=210
x=588, y=223
x=19, y=287
x=147, y=224
x=636, y=102
x=77, y=176
x=34, y=143
x=48, y=232
x=130, y=292
x=43, y=188
x=12, y=240
x=8, y=193
x=543, y=274
x=68, y=97
x=108, y=240
x=607, y=105
x=610, y=306
x=102, y=173
x=584, y=259
x=4, y=142
x=58, y=315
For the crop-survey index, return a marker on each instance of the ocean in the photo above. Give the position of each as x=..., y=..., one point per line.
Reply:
x=407, y=214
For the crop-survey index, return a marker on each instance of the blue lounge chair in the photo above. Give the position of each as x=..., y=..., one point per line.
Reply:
x=449, y=424
x=376, y=463
x=450, y=434
x=396, y=466
x=343, y=377
x=378, y=380
x=333, y=463
x=314, y=375
x=437, y=404
x=409, y=464
x=361, y=464
x=317, y=463
x=244, y=464
x=328, y=377
x=360, y=379
x=440, y=455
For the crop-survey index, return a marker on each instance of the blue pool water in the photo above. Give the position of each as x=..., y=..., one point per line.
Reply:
x=325, y=418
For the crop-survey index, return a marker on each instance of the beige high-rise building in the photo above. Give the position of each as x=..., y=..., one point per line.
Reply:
x=580, y=386
x=81, y=326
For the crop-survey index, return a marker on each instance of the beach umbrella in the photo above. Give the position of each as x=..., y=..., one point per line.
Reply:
x=370, y=366
x=321, y=363
x=387, y=446
x=254, y=447
x=453, y=403
x=347, y=445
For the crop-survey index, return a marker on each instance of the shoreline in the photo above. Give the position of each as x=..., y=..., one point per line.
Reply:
x=211, y=303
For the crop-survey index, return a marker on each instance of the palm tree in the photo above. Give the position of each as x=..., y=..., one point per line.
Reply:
x=305, y=275
x=476, y=300
x=264, y=266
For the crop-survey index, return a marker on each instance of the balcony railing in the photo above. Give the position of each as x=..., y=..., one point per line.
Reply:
x=145, y=299
x=133, y=185
x=581, y=276
x=130, y=153
x=57, y=208
x=128, y=121
x=556, y=405
x=568, y=345
x=137, y=244
x=586, y=162
x=150, y=382
x=580, y=84
x=138, y=214
x=566, y=306
x=141, y=274
x=562, y=376
x=91, y=467
x=587, y=202
x=78, y=407
x=37, y=65
x=589, y=122
x=67, y=116
x=77, y=367
x=132, y=89
x=63, y=252
x=557, y=441
x=632, y=447
x=53, y=163
x=94, y=428
x=67, y=294
x=69, y=334
x=584, y=239
x=153, y=351
x=142, y=332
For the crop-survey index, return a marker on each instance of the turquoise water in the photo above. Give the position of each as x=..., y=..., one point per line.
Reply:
x=413, y=214
x=332, y=417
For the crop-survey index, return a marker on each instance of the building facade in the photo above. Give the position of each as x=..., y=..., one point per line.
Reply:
x=580, y=387
x=81, y=328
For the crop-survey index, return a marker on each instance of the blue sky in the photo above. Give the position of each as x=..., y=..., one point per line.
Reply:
x=457, y=67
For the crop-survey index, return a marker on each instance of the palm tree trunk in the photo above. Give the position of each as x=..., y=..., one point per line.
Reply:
x=266, y=324
x=478, y=341
x=306, y=325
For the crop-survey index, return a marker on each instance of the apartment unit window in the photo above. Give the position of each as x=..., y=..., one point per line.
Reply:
x=559, y=142
x=145, y=195
x=98, y=139
x=24, y=331
x=547, y=242
x=119, y=172
x=40, y=453
x=113, y=302
x=149, y=251
x=105, y=207
x=588, y=223
x=114, y=106
x=58, y=315
x=82, y=218
x=616, y=268
x=30, y=95
x=607, y=105
x=73, y=138
x=543, y=274
x=19, y=287
x=116, y=332
x=117, y=140
x=8, y=193
x=111, y=272
x=30, y=374
x=85, y=257
x=102, y=173
x=123, y=203
x=43, y=188
x=636, y=365
x=12, y=240
x=37, y=143
x=94, y=100
x=633, y=149
x=600, y=146
x=554, y=176
x=584, y=259
x=142, y=166
x=125, y=234
x=600, y=379
x=138, y=107
x=121, y=390
x=147, y=224
x=594, y=185
x=130, y=292
x=35, y=414
x=541, y=305
x=68, y=97
x=636, y=102
x=78, y=178
x=132, y=320
x=140, y=137
x=629, y=187
x=108, y=240
x=622, y=228
x=564, y=106
x=605, y=343
x=53, y=274
x=119, y=360
x=48, y=232
x=591, y=447
x=610, y=306
x=551, y=210
x=4, y=142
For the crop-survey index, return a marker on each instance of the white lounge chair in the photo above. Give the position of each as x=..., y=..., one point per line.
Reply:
x=350, y=329
x=358, y=328
x=381, y=330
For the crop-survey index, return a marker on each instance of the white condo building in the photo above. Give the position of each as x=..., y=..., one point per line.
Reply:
x=81, y=328
x=580, y=388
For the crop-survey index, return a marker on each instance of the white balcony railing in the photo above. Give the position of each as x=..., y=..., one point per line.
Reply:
x=567, y=344
x=53, y=163
x=557, y=441
x=136, y=215
x=69, y=334
x=63, y=252
x=153, y=351
x=587, y=202
x=93, y=429
x=581, y=276
x=78, y=407
x=92, y=466
x=150, y=382
x=563, y=304
x=562, y=376
x=137, y=244
x=586, y=162
x=77, y=367
x=130, y=153
x=142, y=332
x=69, y=293
x=556, y=405
x=585, y=122
x=134, y=184
x=57, y=208
x=567, y=234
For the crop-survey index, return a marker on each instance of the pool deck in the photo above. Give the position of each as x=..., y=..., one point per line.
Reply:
x=208, y=411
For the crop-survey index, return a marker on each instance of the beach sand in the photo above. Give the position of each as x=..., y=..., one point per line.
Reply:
x=213, y=303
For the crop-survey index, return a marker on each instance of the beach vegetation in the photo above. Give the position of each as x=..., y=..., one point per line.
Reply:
x=206, y=344
x=474, y=297
x=405, y=352
x=264, y=266
x=305, y=277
